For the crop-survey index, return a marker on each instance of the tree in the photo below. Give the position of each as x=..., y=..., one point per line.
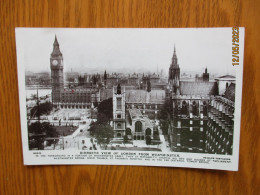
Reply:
x=105, y=110
x=101, y=129
x=38, y=131
x=102, y=132
x=102, y=118
x=34, y=96
x=44, y=108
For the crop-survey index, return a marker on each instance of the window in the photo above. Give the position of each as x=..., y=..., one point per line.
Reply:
x=148, y=132
x=194, y=108
x=191, y=128
x=118, y=116
x=184, y=109
x=118, y=125
x=119, y=103
x=191, y=122
x=205, y=109
x=138, y=126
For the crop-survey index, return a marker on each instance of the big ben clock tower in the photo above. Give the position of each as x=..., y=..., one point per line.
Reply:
x=56, y=63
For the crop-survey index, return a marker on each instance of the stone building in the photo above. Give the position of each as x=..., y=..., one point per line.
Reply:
x=219, y=134
x=133, y=80
x=76, y=97
x=202, y=118
x=130, y=115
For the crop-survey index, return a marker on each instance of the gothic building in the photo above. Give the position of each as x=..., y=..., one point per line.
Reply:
x=131, y=119
x=219, y=134
x=57, y=80
x=119, y=112
x=198, y=121
x=62, y=97
x=174, y=74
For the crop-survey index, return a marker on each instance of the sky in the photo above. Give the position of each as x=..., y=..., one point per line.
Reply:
x=128, y=50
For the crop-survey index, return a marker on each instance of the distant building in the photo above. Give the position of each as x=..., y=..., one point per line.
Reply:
x=224, y=82
x=133, y=80
x=40, y=80
x=155, y=81
x=112, y=80
x=204, y=77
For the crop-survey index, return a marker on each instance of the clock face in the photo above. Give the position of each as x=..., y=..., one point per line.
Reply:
x=54, y=62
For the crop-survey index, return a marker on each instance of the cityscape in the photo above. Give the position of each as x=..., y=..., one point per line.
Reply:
x=173, y=111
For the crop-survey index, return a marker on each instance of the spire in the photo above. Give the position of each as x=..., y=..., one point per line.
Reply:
x=56, y=48
x=55, y=41
x=105, y=75
x=206, y=70
x=174, y=70
x=174, y=58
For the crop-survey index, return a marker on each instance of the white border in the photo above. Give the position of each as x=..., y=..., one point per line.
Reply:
x=30, y=159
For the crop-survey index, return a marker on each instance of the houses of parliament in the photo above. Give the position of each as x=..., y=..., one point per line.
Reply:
x=202, y=114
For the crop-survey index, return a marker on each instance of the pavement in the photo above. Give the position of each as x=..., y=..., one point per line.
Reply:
x=164, y=143
x=80, y=138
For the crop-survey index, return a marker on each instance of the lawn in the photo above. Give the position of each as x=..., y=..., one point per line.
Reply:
x=64, y=131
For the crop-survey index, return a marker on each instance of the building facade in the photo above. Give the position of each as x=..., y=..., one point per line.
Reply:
x=219, y=134
x=202, y=118
x=119, y=112
x=130, y=121
x=76, y=97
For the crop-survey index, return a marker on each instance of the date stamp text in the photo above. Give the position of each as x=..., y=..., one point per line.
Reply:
x=235, y=46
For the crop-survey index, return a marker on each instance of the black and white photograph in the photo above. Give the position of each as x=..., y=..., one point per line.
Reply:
x=155, y=97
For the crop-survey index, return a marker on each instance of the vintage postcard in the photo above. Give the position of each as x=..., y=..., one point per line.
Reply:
x=153, y=97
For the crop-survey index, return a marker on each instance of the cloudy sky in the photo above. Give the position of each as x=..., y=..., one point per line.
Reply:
x=128, y=50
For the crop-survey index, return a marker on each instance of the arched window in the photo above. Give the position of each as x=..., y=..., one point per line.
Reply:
x=184, y=108
x=118, y=134
x=118, y=103
x=194, y=108
x=138, y=126
x=148, y=131
x=118, y=125
x=205, y=109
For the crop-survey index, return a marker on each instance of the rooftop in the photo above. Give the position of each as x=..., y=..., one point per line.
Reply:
x=226, y=77
x=135, y=113
x=137, y=95
x=142, y=96
x=198, y=88
x=230, y=92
